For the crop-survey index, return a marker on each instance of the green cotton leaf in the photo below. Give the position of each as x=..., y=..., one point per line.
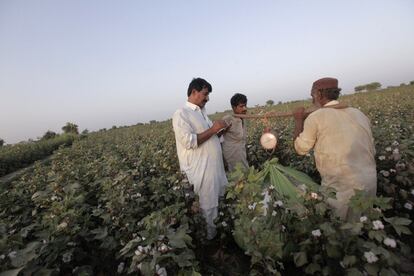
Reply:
x=12, y=272
x=372, y=269
x=45, y=272
x=188, y=273
x=388, y=272
x=321, y=208
x=130, y=245
x=355, y=228
x=299, y=176
x=180, y=238
x=312, y=268
x=146, y=269
x=377, y=235
x=332, y=251
x=399, y=225
x=398, y=221
x=184, y=259
x=327, y=229
x=300, y=258
x=353, y=272
x=100, y=233
x=25, y=255
x=71, y=187
x=349, y=261
x=360, y=202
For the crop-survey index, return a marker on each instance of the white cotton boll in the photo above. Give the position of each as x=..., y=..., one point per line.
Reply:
x=377, y=225
x=62, y=226
x=278, y=203
x=67, y=257
x=121, y=267
x=408, y=206
x=316, y=233
x=265, y=202
x=274, y=213
x=314, y=195
x=163, y=248
x=395, y=143
x=162, y=272
x=390, y=242
x=382, y=157
x=385, y=173
x=388, y=149
x=12, y=254
x=396, y=151
x=252, y=206
x=363, y=219
x=224, y=224
x=371, y=257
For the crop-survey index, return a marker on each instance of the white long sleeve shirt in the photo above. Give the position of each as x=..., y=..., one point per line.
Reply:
x=203, y=164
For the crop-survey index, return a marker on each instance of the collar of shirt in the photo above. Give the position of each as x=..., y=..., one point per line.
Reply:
x=333, y=102
x=194, y=106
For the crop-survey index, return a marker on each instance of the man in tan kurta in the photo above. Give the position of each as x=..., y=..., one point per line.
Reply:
x=234, y=144
x=342, y=142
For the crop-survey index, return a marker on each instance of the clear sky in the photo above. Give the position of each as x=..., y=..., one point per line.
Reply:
x=104, y=63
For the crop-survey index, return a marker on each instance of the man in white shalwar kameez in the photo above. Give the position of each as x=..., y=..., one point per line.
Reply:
x=343, y=145
x=199, y=150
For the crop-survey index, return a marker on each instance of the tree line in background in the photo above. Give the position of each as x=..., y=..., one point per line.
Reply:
x=375, y=86
x=20, y=155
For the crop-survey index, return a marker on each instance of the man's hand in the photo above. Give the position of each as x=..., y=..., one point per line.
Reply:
x=219, y=126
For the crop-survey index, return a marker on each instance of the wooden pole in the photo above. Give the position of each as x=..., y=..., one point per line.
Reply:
x=288, y=114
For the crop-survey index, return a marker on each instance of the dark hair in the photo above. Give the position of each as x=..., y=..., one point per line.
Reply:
x=198, y=84
x=330, y=93
x=238, y=99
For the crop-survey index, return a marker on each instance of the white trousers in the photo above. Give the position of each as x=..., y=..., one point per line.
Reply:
x=210, y=215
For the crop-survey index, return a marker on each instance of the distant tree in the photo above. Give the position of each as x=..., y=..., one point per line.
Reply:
x=411, y=82
x=373, y=86
x=270, y=102
x=70, y=128
x=49, y=135
x=152, y=121
x=1, y=142
x=113, y=127
x=402, y=84
x=360, y=88
x=85, y=131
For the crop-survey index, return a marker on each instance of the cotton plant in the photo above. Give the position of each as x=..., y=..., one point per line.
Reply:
x=262, y=212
